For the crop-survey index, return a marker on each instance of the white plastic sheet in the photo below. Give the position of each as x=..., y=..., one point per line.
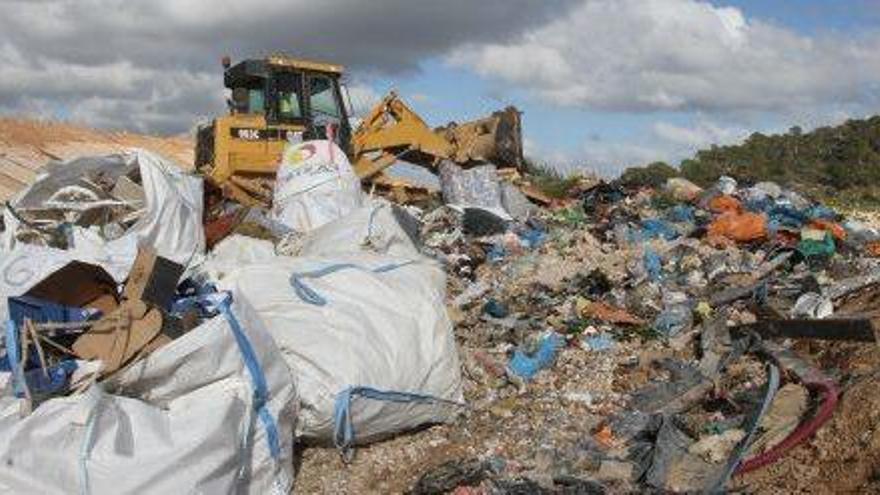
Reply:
x=183, y=420
x=763, y=190
x=476, y=187
x=315, y=184
x=726, y=185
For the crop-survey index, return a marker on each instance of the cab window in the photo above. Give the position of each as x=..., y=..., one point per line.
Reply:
x=287, y=97
x=322, y=99
x=256, y=104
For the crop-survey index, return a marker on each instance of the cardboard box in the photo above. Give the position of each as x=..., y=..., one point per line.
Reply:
x=81, y=285
x=152, y=279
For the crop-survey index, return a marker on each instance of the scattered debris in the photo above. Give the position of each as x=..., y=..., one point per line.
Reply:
x=619, y=339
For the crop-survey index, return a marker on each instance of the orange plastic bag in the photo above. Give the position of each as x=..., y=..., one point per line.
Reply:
x=724, y=203
x=740, y=227
x=836, y=229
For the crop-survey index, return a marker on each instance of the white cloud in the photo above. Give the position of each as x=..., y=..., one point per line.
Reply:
x=595, y=156
x=155, y=65
x=703, y=134
x=665, y=142
x=608, y=159
x=655, y=55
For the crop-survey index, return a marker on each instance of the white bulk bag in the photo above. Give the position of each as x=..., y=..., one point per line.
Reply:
x=315, y=184
x=171, y=222
x=186, y=419
x=232, y=253
x=352, y=326
x=375, y=227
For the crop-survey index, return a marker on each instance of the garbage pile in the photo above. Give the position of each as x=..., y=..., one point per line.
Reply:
x=662, y=320
x=632, y=340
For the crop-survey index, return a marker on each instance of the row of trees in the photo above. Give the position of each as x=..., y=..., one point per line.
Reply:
x=826, y=160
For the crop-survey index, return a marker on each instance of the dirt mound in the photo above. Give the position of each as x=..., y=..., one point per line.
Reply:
x=27, y=145
x=844, y=456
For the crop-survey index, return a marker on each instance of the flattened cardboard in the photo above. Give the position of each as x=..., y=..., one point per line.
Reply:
x=117, y=337
x=79, y=284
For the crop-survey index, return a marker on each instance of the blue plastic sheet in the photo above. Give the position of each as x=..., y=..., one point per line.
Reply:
x=496, y=253
x=532, y=238
x=763, y=205
x=600, y=342
x=673, y=320
x=821, y=212
x=654, y=228
x=526, y=366
x=41, y=311
x=787, y=216
x=653, y=264
x=496, y=309
x=55, y=379
x=206, y=304
x=681, y=214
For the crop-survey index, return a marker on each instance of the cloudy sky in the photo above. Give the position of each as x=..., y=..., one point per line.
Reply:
x=602, y=83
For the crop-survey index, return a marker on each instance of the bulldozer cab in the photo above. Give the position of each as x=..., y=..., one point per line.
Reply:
x=288, y=92
x=269, y=99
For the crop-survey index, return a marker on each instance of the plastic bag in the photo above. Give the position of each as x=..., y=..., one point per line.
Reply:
x=813, y=248
x=527, y=365
x=476, y=187
x=724, y=204
x=682, y=189
x=740, y=227
x=726, y=185
x=861, y=232
x=655, y=228
x=835, y=229
x=673, y=320
x=812, y=305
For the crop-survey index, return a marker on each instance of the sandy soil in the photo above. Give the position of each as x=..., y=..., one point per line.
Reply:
x=27, y=145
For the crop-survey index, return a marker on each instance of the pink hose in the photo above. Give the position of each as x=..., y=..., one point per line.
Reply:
x=830, y=394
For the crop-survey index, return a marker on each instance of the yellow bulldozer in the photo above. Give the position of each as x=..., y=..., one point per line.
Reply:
x=273, y=97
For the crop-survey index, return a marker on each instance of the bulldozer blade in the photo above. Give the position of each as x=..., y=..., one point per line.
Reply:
x=496, y=139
